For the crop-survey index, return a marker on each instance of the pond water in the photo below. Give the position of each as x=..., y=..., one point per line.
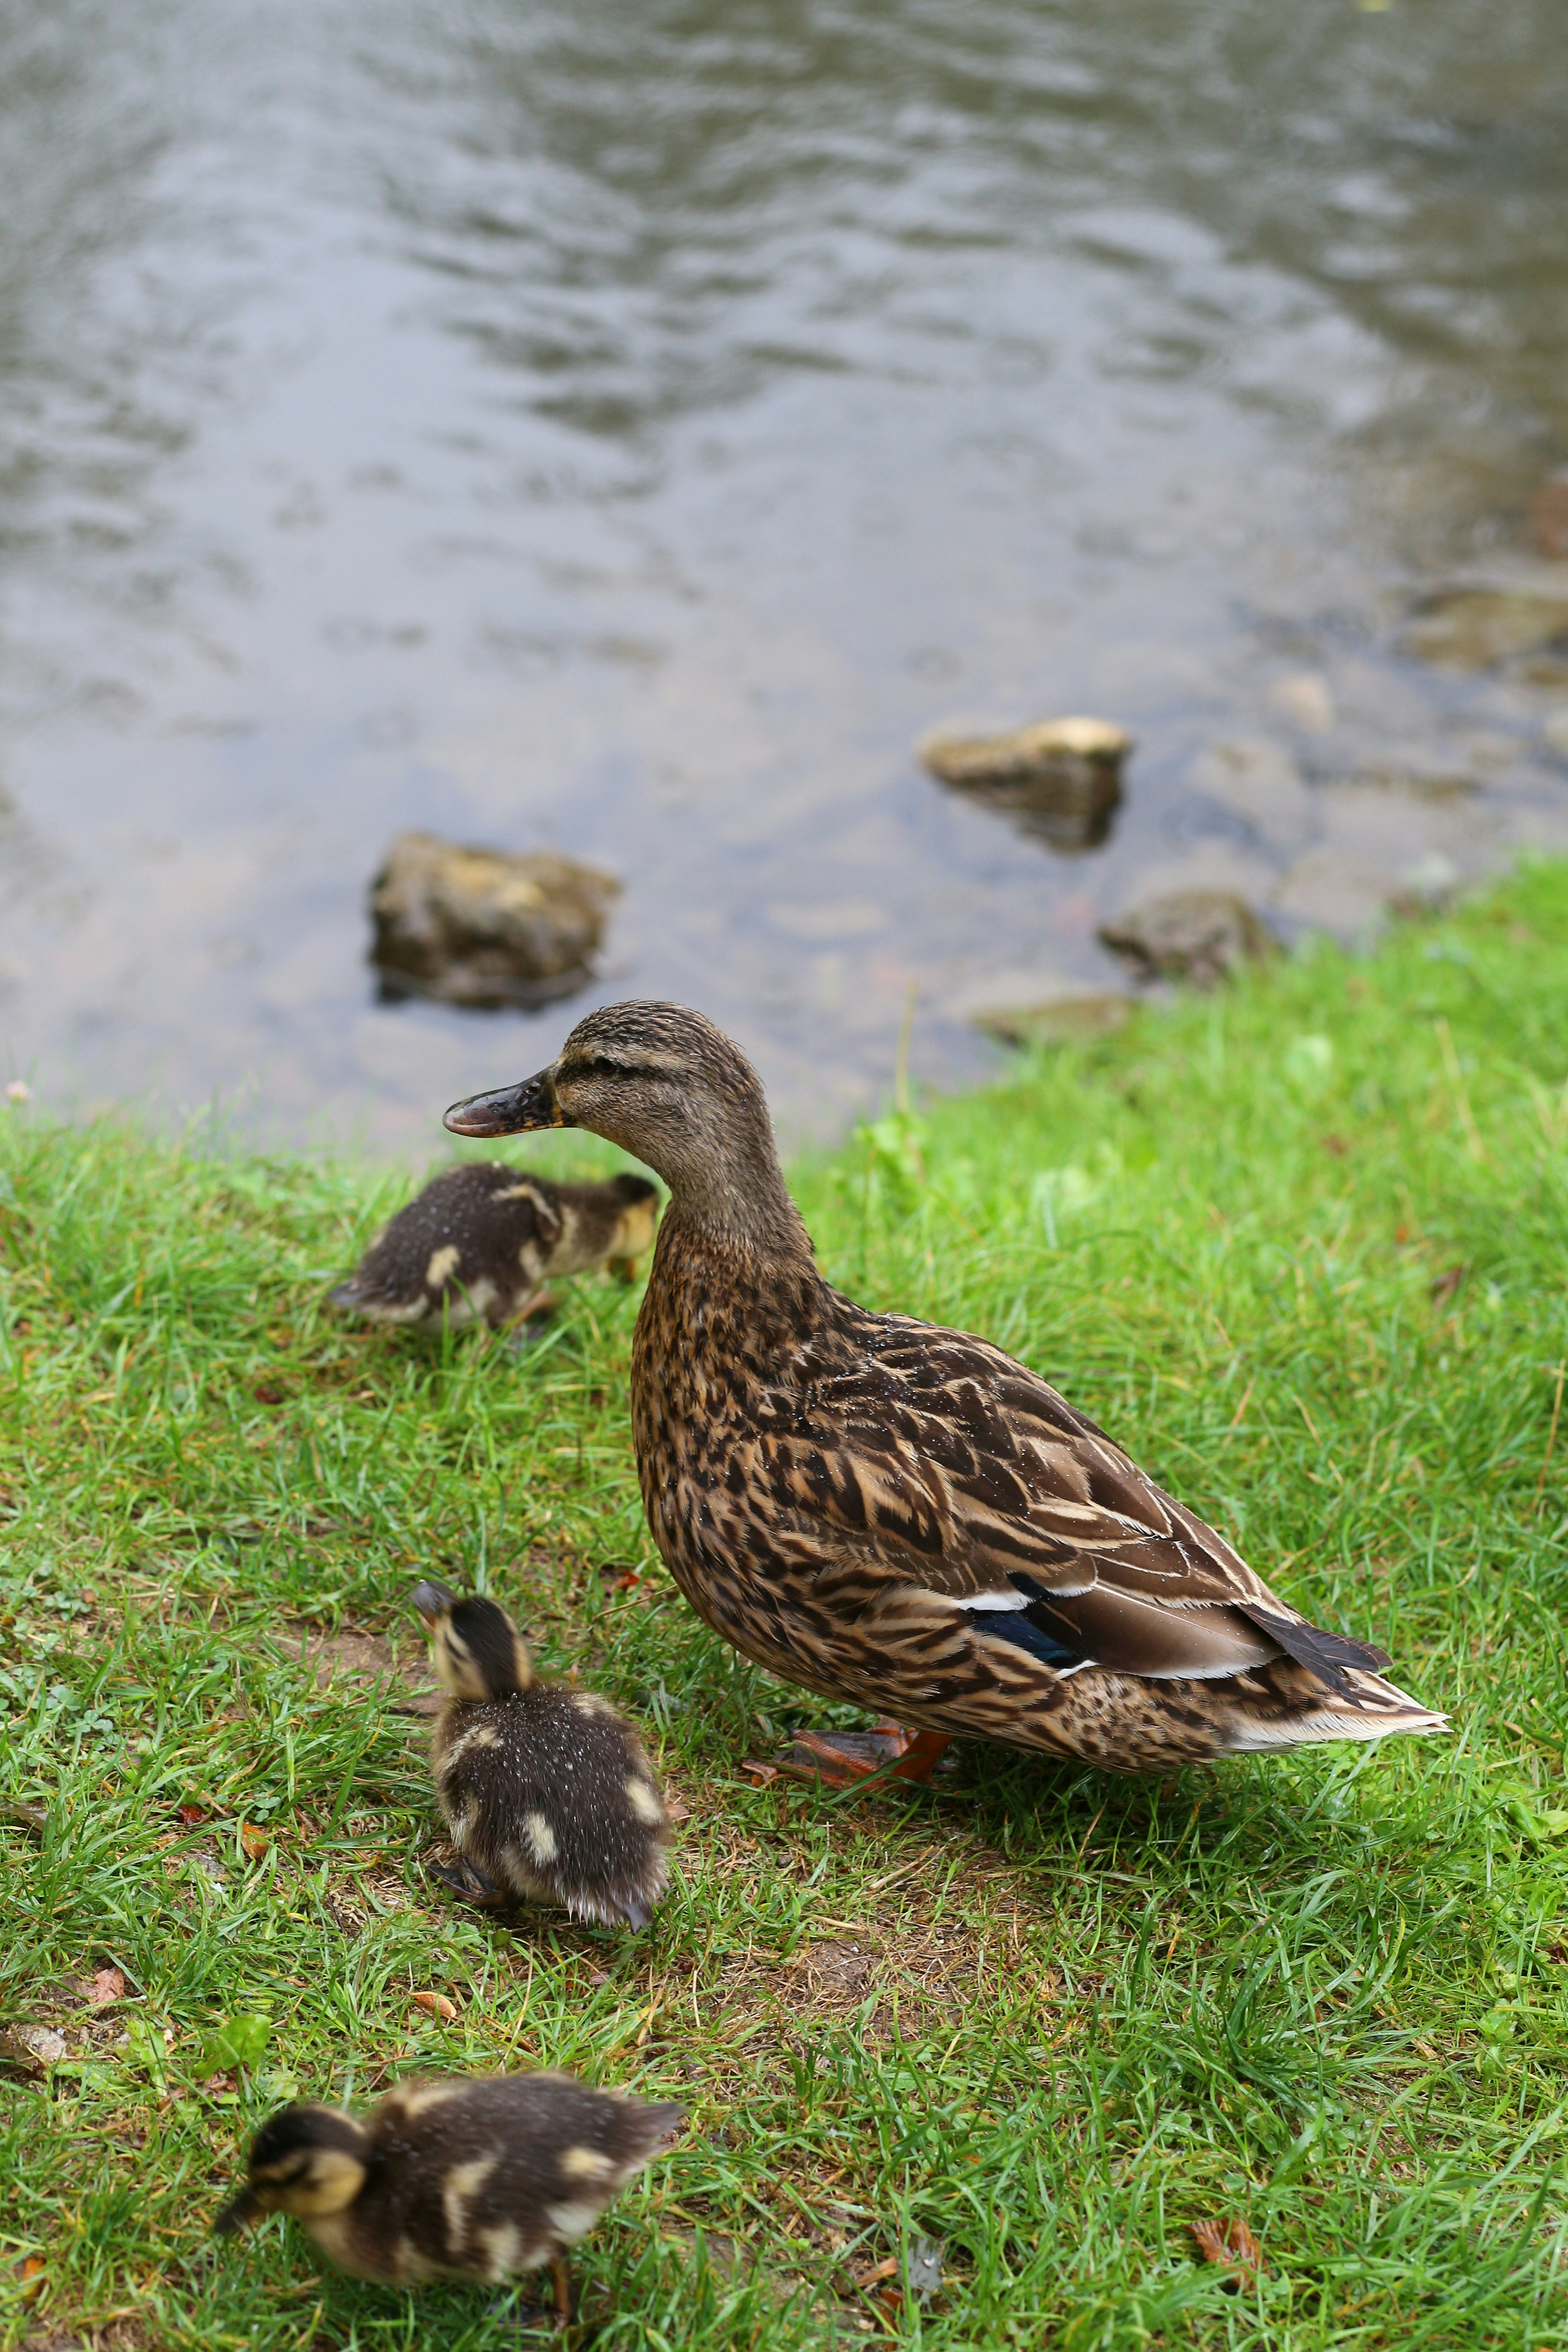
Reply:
x=627, y=428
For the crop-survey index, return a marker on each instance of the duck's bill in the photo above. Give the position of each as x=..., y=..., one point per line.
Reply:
x=432, y=1600
x=241, y=2213
x=510, y=1110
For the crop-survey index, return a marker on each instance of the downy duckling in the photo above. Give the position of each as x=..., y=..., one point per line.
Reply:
x=547, y=1791
x=483, y=1241
x=472, y=2177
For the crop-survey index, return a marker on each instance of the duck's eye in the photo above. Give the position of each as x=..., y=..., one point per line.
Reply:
x=601, y=1066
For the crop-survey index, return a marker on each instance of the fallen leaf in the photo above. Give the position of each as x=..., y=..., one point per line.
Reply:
x=191, y=1814
x=107, y=1984
x=267, y=1396
x=33, y=2267
x=435, y=2004
x=1558, y=1952
x=761, y=1773
x=885, y=2270
x=1232, y=2244
x=1336, y=1144
x=217, y=2082
x=254, y=1841
x=674, y=1810
x=1447, y=1284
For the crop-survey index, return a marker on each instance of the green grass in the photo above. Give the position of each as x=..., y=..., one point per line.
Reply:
x=1049, y=2018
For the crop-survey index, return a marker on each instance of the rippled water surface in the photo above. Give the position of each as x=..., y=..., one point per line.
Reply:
x=627, y=428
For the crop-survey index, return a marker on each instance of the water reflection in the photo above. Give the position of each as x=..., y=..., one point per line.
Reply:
x=625, y=430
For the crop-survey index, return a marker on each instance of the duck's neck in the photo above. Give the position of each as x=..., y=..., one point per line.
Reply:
x=735, y=1199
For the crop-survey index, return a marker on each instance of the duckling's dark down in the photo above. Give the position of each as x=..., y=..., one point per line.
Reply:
x=462, y=2178
x=902, y=1515
x=483, y=1241
x=546, y=1789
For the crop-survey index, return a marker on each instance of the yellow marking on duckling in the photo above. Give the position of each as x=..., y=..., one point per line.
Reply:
x=524, y=1192
x=590, y=1703
x=461, y=2186
x=483, y=1734
x=462, y=1826
x=444, y=1264
x=572, y=2221
x=409, y=2267
x=644, y=1803
x=414, y=2098
x=540, y=1838
x=503, y=2248
x=585, y=2164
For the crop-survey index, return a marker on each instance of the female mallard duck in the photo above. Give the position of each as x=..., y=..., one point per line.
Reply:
x=901, y=1516
x=547, y=1791
x=485, y=1240
x=464, y=2179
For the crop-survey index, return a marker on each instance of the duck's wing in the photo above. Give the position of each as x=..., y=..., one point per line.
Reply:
x=923, y=1472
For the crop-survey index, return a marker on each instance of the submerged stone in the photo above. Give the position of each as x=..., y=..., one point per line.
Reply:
x=1057, y=1020
x=482, y=928
x=1193, y=935
x=1474, y=628
x=1060, y=779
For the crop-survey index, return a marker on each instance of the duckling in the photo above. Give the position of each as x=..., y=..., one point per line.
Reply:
x=484, y=1240
x=900, y=1516
x=470, y=2178
x=547, y=1791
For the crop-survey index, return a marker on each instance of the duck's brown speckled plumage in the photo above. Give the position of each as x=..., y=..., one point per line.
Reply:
x=545, y=1788
x=462, y=2177
x=902, y=1515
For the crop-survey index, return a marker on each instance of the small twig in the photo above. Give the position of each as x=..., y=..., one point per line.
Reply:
x=902, y=1063
x=1245, y=1400
x=1455, y=1079
x=1308, y=1419
x=1086, y=1835
x=1550, y=1437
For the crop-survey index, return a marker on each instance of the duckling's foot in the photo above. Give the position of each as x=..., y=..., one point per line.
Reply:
x=837, y=1760
x=561, y=2279
x=470, y=1884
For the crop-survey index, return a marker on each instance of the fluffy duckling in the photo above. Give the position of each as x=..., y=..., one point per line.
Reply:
x=547, y=1791
x=473, y=2179
x=902, y=1515
x=483, y=1241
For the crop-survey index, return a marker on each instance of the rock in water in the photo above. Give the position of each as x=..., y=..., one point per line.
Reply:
x=1056, y=1020
x=1474, y=628
x=480, y=926
x=1197, y=935
x=1061, y=779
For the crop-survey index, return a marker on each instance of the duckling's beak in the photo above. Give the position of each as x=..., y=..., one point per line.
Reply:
x=510, y=1110
x=241, y=2213
x=432, y=1600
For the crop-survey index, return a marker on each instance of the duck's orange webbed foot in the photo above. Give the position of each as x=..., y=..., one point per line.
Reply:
x=839, y=1759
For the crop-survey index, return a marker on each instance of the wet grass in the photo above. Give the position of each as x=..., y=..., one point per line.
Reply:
x=1303, y=1247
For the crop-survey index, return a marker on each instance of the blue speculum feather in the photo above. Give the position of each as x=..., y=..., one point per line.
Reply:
x=1016, y=1626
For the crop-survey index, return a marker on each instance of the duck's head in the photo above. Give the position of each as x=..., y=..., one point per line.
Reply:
x=665, y=1083
x=476, y=1650
x=308, y=2161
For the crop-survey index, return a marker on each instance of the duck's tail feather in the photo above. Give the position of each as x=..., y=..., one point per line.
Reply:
x=1288, y=1707
x=1326, y=1654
